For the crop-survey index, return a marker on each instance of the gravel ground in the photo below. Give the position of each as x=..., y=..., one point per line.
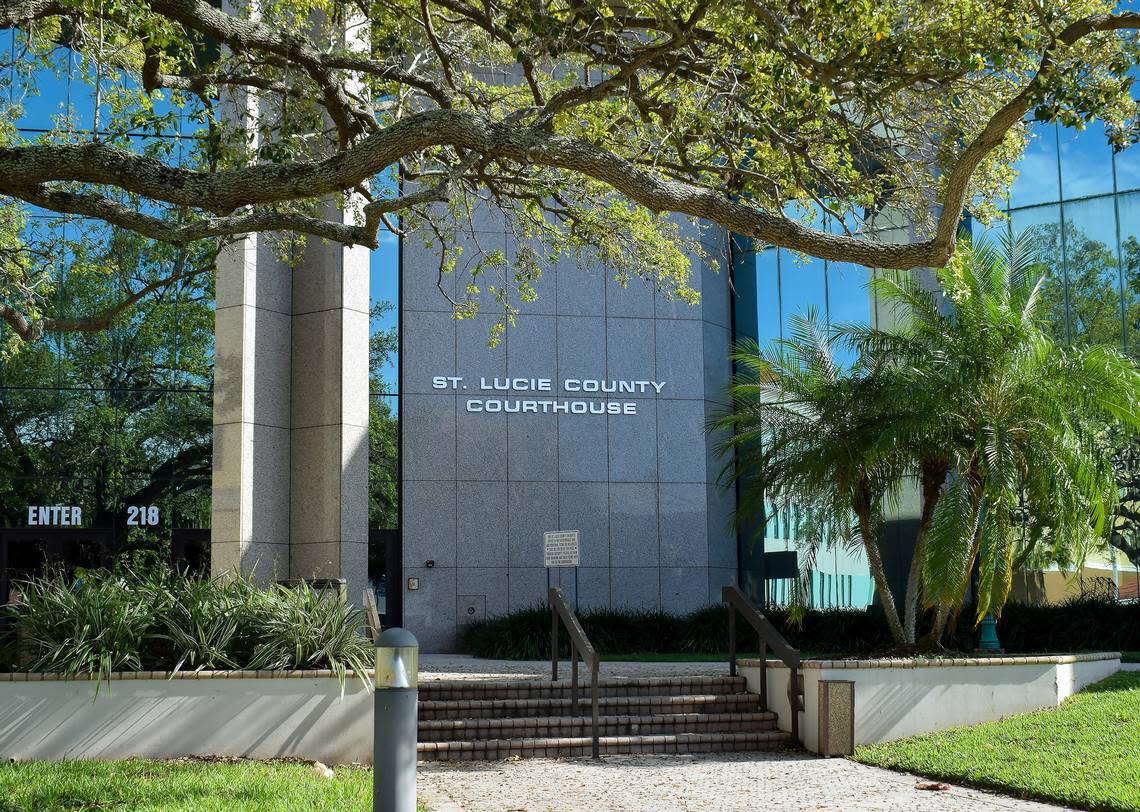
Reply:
x=777, y=782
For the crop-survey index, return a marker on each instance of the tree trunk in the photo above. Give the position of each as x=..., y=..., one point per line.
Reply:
x=914, y=579
x=875, y=563
x=934, y=473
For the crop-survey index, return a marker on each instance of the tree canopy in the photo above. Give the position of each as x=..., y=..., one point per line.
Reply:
x=581, y=125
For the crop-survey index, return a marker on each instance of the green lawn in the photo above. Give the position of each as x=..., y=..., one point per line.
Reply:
x=182, y=786
x=1085, y=753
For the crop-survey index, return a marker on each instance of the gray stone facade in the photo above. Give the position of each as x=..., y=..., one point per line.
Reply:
x=479, y=489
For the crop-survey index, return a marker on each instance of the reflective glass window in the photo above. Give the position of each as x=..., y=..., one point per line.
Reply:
x=1126, y=165
x=1043, y=225
x=1037, y=180
x=803, y=288
x=1130, y=266
x=1091, y=271
x=849, y=300
x=383, y=471
x=768, y=295
x=1086, y=161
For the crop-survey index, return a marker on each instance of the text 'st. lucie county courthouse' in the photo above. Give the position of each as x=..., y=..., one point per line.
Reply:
x=254, y=430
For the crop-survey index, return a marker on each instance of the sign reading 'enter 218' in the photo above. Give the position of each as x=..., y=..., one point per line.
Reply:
x=72, y=516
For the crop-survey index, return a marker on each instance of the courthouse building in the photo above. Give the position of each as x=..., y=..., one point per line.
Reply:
x=239, y=421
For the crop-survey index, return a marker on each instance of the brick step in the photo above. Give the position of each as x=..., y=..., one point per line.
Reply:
x=443, y=690
x=607, y=706
x=580, y=746
x=441, y=730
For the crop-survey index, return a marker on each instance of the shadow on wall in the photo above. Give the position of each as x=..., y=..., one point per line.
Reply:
x=159, y=718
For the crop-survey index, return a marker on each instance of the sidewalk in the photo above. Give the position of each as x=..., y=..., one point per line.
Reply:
x=746, y=782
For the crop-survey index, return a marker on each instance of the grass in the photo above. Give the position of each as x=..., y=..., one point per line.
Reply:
x=1130, y=657
x=182, y=786
x=1086, y=753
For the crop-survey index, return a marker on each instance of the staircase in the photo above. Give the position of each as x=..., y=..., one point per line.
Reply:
x=476, y=720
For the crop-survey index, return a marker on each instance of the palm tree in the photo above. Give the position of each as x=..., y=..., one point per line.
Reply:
x=1014, y=415
x=808, y=435
x=970, y=398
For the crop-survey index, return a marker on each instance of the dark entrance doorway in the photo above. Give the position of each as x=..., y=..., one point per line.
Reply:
x=32, y=551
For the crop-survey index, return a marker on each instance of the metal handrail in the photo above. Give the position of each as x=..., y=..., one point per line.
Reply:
x=579, y=645
x=770, y=637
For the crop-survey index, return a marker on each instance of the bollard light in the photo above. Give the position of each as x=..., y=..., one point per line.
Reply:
x=395, y=730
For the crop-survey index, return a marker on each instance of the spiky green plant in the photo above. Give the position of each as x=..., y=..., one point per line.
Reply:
x=104, y=622
x=968, y=396
x=303, y=627
x=90, y=625
x=201, y=620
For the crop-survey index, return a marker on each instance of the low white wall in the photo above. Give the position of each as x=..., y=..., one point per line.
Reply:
x=251, y=716
x=899, y=698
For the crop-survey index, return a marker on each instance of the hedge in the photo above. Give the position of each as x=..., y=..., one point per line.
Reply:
x=1078, y=625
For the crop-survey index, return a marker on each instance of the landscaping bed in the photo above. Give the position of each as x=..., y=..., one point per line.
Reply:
x=1085, y=753
x=1075, y=626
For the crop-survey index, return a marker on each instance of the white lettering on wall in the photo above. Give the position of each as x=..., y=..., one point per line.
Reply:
x=54, y=516
x=553, y=405
x=142, y=515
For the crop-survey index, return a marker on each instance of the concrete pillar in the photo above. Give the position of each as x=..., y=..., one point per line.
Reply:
x=252, y=426
x=329, y=437
x=290, y=477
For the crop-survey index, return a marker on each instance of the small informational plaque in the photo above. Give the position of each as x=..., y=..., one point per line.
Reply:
x=560, y=549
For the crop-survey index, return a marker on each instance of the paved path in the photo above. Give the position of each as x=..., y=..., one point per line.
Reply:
x=774, y=782
x=745, y=782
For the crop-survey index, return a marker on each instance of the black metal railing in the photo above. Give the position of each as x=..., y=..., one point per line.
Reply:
x=579, y=647
x=770, y=638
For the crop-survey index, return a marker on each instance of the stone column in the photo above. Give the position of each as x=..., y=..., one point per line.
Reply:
x=252, y=430
x=290, y=472
x=329, y=464
x=290, y=477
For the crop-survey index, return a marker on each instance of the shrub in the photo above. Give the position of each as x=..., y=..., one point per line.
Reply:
x=90, y=625
x=104, y=622
x=1079, y=625
x=303, y=627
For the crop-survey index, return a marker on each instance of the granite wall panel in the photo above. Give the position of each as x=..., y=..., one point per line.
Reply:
x=480, y=487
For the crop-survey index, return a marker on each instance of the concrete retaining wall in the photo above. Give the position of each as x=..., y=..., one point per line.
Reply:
x=899, y=698
x=245, y=713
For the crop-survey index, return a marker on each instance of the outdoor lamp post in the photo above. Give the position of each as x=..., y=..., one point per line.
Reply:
x=394, y=745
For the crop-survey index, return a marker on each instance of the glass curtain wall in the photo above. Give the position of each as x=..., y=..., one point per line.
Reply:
x=788, y=284
x=118, y=422
x=115, y=422
x=1081, y=205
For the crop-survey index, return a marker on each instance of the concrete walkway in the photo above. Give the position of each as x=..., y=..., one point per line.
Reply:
x=744, y=782
x=773, y=782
